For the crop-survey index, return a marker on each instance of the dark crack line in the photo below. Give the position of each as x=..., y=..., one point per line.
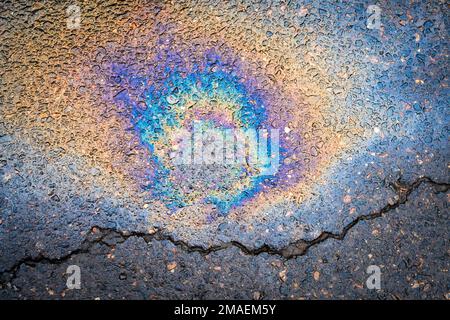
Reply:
x=98, y=235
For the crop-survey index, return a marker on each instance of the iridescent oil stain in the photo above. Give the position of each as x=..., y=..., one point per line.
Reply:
x=97, y=103
x=210, y=97
x=167, y=81
x=354, y=107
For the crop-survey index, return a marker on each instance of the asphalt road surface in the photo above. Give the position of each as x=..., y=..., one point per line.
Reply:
x=120, y=129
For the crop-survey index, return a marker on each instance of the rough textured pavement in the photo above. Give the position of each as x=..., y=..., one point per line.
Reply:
x=90, y=116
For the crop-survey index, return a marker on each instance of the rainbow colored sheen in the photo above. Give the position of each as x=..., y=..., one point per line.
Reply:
x=212, y=96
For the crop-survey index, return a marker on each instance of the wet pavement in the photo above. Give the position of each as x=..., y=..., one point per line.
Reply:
x=93, y=103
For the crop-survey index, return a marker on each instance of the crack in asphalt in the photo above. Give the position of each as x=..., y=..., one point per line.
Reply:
x=99, y=235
